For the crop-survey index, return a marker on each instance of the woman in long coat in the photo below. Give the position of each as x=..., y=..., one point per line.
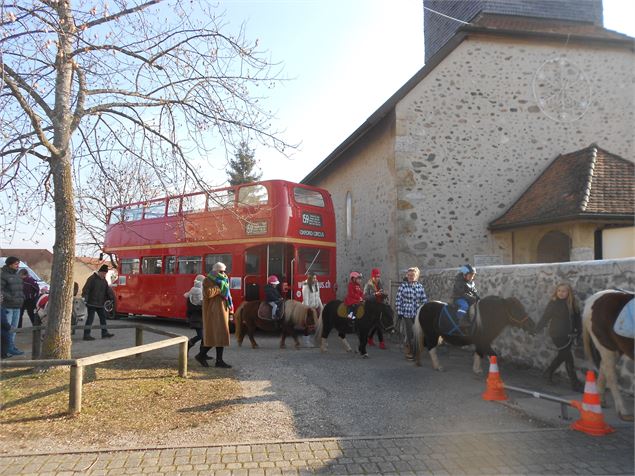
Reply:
x=217, y=305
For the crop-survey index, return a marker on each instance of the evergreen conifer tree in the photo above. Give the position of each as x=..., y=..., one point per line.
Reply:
x=242, y=167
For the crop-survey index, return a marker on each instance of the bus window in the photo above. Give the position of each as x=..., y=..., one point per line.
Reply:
x=154, y=210
x=210, y=260
x=222, y=199
x=253, y=195
x=151, y=265
x=189, y=264
x=174, y=204
x=116, y=216
x=194, y=203
x=308, y=197
x=252, y=262
x=314, y=260
x=170, y=264
x=133, y=213
x=130, y=266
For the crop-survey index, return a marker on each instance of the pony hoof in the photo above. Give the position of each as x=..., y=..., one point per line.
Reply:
x=625, y=417
x=364, y=356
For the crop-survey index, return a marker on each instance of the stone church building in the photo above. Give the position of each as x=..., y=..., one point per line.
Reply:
x=513, y=144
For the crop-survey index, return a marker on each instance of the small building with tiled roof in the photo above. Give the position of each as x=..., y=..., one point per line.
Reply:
x=579, y=199
x=422, y=179
x=40, y=260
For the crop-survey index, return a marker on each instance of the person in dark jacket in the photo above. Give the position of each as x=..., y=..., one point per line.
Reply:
x=12, y=300
x=31, y=291
x=273, y=296
x=194, y=316
x=96, y=292
x=562, y=315
x=464, y=292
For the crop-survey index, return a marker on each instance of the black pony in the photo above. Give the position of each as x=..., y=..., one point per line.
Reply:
x=494, y=314
x=370, y=315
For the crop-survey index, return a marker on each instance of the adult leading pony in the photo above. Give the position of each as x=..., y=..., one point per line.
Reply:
x=493, y=315
x=599, y=316
x=295, y=316
x=370, y=315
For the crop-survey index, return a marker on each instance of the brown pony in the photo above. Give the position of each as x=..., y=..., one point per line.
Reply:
x=295, y=316
x=599, y=316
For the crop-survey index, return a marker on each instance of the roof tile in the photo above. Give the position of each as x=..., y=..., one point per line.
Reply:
x=587, y=183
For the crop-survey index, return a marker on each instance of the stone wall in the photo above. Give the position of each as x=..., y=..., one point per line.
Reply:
x=366, y=172
x=470, y=139
x=533, y=284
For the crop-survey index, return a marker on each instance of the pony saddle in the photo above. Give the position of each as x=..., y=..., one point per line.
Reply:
x=451, y=324
x=342, y=310
x=264, y=311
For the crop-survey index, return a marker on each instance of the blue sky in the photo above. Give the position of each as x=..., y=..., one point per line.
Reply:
x=347, y=57
x=344, y=58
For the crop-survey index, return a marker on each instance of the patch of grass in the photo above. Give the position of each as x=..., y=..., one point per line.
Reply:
x=128, y=396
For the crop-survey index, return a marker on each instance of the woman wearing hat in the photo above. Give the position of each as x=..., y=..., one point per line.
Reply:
x=217, y=306
x=374, y=291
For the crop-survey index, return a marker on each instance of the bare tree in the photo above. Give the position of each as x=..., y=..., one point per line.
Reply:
x=116, y=183
x=84, y=83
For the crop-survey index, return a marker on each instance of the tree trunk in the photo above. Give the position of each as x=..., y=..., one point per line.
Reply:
x=57, y=343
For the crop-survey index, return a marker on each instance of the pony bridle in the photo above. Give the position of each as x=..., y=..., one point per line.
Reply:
x=390, y=329
x=517, y=322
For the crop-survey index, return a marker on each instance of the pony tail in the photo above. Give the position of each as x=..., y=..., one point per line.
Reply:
x=238, y=321
x=586, y=336
x=318, y=326
x=418, y=335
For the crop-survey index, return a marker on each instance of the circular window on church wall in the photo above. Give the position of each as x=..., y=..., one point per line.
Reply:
x=561, y=90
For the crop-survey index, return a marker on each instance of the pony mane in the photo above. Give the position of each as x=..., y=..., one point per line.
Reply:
x=295, y=312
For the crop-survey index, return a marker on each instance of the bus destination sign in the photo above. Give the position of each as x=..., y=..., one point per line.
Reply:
x=313, y=233
x=311, y=219
x=256, y=228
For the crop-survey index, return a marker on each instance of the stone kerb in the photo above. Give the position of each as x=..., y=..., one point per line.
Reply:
x=533, y=285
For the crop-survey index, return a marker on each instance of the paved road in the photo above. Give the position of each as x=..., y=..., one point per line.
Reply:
x=370, y=416
x=547, y=451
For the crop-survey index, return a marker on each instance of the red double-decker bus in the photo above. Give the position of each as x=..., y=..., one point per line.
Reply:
x=257, y=229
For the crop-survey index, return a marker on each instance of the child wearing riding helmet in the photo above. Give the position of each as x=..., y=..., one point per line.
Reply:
x=355, y=293
x=374, y=291
x=464, y=291
x=273, y=296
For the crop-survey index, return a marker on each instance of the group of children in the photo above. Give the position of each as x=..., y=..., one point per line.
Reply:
x=562, y=314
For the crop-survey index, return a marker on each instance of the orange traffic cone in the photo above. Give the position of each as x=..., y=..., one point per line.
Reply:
x=591, y=421
x=495, y=389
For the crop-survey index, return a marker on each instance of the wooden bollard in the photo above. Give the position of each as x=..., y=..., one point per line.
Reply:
x=183, y=359
x=75, y=391
x=138, y=338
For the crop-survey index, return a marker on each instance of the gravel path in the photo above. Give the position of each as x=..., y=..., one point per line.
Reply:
x=294, y=394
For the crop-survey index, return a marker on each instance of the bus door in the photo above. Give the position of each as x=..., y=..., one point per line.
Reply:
x=280, y=262
x=255, y=278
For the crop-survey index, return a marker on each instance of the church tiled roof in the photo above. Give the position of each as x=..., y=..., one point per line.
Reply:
x=528, y=25
x=587, y=184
